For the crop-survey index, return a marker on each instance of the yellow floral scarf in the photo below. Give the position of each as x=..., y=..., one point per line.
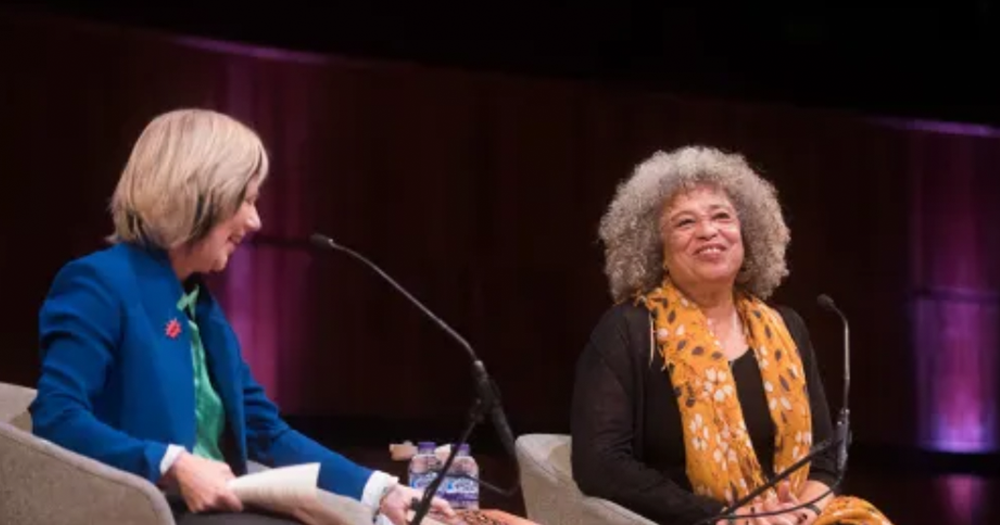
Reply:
x=721, y=462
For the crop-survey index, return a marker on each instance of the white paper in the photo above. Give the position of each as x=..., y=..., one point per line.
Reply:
x=280, y=489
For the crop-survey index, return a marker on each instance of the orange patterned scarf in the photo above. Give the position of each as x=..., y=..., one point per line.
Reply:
x=721, y=462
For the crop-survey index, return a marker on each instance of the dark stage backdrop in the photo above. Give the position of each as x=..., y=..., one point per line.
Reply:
x=481, y=192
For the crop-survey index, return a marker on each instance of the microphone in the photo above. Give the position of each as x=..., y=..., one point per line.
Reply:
x=841, y=439
x=843, y=419
x=325, y=242
x=488, y=393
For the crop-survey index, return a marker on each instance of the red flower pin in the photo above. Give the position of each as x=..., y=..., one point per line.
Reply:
x=173, y=329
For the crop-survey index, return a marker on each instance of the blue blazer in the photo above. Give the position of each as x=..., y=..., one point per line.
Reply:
x=115, y=387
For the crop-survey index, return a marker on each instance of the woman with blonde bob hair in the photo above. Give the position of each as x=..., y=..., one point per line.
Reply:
x=692, y=391
x=140, y=368
x=188, y=170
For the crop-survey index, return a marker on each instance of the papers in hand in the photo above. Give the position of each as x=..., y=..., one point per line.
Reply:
x=283, y=489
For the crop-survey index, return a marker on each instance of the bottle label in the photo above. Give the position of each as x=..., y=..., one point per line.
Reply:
x=461, y=493
x=422, y=480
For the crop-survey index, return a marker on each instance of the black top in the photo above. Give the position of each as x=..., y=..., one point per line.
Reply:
x=628, y=444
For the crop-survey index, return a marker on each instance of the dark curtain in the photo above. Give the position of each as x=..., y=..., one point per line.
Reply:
x=955, y=276
x=481, y=193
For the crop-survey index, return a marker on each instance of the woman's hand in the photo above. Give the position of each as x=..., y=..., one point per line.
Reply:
x=785, y=500
x=749, y=509
x=202, y=483
x=778, y=505
x=810, y=491
x=400, y=498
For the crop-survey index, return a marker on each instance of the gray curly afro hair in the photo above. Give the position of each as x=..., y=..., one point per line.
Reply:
x=631, y=231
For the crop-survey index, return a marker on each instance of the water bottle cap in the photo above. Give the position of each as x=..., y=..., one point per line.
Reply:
x=464, y=449
x=425, y=445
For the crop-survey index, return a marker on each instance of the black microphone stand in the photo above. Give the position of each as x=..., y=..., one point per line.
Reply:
x=844, y=417
x=487, y=394
x=486, y=401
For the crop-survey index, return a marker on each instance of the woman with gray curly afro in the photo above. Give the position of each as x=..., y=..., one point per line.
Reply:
x=692, y=391
x=631, y=230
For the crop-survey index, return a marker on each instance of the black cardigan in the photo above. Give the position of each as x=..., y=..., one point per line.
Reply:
x=628, y=445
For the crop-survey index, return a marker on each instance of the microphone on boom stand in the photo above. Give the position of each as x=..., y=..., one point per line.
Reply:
x=488, y=395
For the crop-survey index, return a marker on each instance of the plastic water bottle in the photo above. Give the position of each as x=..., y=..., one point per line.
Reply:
x=460, y=491
x=423, y=466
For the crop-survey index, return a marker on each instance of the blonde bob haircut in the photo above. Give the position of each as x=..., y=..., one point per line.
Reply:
x=631, y=229
x=188, y=171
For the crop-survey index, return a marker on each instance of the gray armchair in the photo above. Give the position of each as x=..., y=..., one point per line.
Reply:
x=551, y=496
x=45, y=483
x=42, y=483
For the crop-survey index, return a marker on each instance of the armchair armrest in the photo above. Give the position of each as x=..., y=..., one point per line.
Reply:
x=45, y=483
x=551, y=496
x=14, y=402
